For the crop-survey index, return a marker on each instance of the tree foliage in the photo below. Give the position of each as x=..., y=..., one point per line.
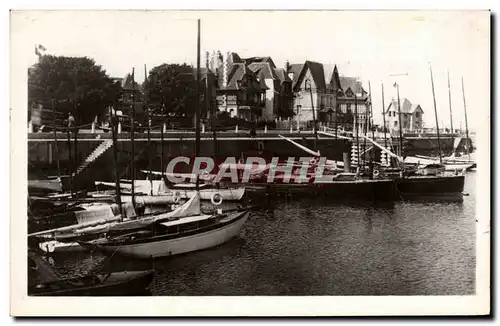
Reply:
x=76, y=84
x=173, y=87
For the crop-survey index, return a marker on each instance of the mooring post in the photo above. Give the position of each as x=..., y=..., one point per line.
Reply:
x=347, y=162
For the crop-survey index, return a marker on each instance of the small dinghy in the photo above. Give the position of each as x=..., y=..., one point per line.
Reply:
x=100, y=284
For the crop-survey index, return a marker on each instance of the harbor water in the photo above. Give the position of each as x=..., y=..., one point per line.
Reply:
x=321, y=247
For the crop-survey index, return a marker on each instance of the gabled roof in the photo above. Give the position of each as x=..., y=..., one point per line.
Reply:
x=236, y=73
x=260, y=60
x=316, y=70
x=295, y=69
x=264, y=68
x=332, y=78
x=406, y=106
x=126, y=83
x=354, y=84
x=282, y=75
x=234, y=58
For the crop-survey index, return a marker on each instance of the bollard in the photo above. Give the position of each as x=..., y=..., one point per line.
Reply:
x=347, y=162
x=119, y=127
x=202, y=127
x=30, y=127
x=265, y=129
x=236, y=129
x=93, y=127
x=164, y=127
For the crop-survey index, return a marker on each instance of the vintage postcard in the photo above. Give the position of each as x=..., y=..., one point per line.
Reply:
x=250, y=163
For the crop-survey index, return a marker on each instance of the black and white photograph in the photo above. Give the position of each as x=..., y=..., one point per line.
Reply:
x=250, y=155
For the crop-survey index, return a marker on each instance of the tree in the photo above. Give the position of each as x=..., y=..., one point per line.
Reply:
x=76, y=84
x=174, y=87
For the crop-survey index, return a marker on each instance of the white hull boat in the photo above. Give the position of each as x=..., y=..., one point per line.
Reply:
x=449, y=165
x=156, y=191
x=181, y=236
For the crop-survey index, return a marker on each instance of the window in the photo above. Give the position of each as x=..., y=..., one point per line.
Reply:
x=395, y=123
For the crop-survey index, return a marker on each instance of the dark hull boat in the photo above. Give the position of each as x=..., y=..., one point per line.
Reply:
x=418, y=186
x=362, y=189
x=112, y=284
x=45, y=282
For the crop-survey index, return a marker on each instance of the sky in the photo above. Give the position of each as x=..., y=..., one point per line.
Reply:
x=376, y=46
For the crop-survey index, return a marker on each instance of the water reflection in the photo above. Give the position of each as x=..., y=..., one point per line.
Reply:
x=324, y=247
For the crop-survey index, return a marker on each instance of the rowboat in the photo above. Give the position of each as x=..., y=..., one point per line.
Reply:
x=100, y=284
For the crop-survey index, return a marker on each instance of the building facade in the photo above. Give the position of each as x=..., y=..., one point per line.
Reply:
x=411, y=116
x=251, y=88
x=312, y=98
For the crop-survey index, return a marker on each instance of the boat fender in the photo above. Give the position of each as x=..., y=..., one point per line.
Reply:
x=216, y=199
x=376, y=173
x=177, y=197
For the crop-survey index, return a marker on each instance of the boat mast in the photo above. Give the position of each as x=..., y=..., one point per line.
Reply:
x=314, y=118
x=197, y=113
x=55, y=139
x=436, y=115
x=149, y=131
x=383, y=116
x=371, y=110
x=209, y=108
x=161, y=140
x=113, y=119
x=356, y=125
x=132, y=138
x=466, y=125
x=365, y=130
x=400, y=125
x=449, y=101
x=70, y=160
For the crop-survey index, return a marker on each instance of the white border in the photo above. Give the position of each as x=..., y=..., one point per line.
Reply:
x=265, y=306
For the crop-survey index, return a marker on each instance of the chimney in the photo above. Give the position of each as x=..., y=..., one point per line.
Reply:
x=287, y=66
x=207, y=59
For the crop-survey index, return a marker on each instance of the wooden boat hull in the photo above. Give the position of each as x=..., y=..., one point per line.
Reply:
x=227, y=194
x=172, y=245
x=116, y=284
x=450, y=165
x=362, y=189
x=44, y=186
x=431, y=185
